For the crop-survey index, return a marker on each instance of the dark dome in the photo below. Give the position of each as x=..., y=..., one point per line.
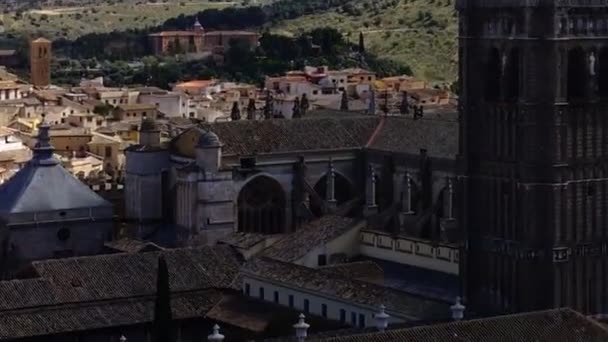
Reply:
x=148, y=125
x=209, y=139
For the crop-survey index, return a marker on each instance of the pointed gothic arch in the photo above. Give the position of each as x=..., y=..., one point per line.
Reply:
x=261, y=206
x=493, y=75
x=577, y=74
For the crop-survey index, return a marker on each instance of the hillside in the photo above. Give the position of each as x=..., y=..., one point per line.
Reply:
x=419, y=33
x=94, y=16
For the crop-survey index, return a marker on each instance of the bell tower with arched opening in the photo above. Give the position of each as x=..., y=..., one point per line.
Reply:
x=534, y=153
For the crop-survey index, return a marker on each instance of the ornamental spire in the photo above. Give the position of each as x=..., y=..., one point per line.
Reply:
x=43, y=150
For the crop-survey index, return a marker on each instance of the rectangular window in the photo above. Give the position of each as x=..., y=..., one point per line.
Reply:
x=291, y=301
x=247, y=289
x=324, y=310
x=261, y=293
x=322, y=260
x=342, y=316
x=361, y=321
x=353, y=319
x=108, y=151
x=306, y=306
x=276, y=297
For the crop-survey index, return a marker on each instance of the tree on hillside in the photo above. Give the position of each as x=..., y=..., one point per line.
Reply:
x=361, y=43
x=163, y=319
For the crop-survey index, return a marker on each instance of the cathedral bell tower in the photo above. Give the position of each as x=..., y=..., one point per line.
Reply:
x=534, y=154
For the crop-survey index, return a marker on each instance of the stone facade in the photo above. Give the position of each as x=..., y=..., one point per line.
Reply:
x=40, y=62
x=534, y=81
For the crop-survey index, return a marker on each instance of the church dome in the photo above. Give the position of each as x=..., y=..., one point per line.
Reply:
x=209, y=139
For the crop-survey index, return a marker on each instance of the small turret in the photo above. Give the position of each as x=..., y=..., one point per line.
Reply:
x=209, y=152
x=149, y=133
x=198, y=27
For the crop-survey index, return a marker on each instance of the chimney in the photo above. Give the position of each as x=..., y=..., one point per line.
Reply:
x=216, y=336
x=381, y=319
x=457, y=310
x=301, y=329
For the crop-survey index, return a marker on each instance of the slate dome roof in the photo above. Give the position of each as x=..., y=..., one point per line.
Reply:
x=209, y=139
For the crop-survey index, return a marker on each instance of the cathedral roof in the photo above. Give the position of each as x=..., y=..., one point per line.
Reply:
x=438, y=135
x=44, y=185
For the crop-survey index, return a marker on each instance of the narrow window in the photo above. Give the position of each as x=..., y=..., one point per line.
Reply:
x=361, y=321
x=603, y=73
x=247, y=289
x=577, y=74
x=324, y=310
x=493, y=71
x=261, y=293
x=353, y=319
x=342, y=316
x=276, y=297
x=322, y=260
x=306, y=306
x=291, y=301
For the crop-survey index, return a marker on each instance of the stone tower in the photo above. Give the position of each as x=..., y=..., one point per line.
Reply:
x=534, y=148
x=40, y=62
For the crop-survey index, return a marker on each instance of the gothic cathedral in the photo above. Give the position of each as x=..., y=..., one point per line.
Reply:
x=534, y=153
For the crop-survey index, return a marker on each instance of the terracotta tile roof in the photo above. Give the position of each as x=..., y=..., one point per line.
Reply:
x=544, y=326
x=360, y=270
x=404, y=305
x=278, y=136
x=196, y=84
x=313, y=234
x=112, y=290
x=65, y=319
x=404, y=135
x=132, y=246
x=244, y=240
x=175, y=33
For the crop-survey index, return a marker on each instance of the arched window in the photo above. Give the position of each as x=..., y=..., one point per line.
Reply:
x=577, y=74
x=492, y=84
x=603, y=73
x=512, y=76
x=261, y=207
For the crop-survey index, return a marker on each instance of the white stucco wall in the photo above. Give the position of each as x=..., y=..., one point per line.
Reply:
x=410, y=252
x=316, y=300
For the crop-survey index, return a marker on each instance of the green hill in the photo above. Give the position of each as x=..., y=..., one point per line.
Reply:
x=419, y=33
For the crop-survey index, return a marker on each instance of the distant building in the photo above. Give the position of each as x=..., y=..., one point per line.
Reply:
x=197, y=40
x=40, y=62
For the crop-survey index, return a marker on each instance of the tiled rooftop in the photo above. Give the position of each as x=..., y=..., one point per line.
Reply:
x=558, y=325
x=330, y=284
x=313, y=234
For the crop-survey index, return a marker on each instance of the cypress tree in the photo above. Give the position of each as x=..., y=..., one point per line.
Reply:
x=404, y=108
x=235, y=113
x=304, y=105
x=296, y=109
x=344, y=102
x=361, y=43
x=163, y=320
x=251, y=109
